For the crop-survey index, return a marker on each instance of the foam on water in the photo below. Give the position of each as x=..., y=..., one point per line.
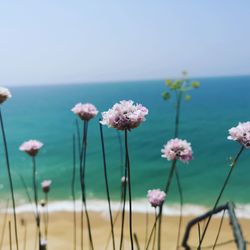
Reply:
x=139, y=206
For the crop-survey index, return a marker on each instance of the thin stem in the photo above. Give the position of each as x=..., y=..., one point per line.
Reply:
x=121, y=151
x=152, y=231
x=82, y=180
x=220, y=226
x=129, y=192
x=199, y=232
x=124, y=196
x=136, y=242
x=106, y=184
x=181, y=206
x=169, y=181
x=10, y=177
x=36, y=201
x=221, y=192
x=153, y=247
x=46, y=215
x=27, y=193
x=73, y=191
x=115, y=219
x=78, y=137
x=177, y=115
x=4, y=224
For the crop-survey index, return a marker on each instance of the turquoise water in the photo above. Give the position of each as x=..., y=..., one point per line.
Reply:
x=43, y=113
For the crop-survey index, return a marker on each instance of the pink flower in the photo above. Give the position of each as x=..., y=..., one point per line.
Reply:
x=46, y=185
x=177, y=149
x=156, y=197
x=85, y=111
x=31, y=147
x=241, y=133
x=4, y=94
x=124, y=115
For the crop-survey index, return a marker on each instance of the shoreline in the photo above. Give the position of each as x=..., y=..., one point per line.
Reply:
x=139, y=206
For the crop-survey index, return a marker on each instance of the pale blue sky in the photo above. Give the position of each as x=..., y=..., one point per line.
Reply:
x=66, y=41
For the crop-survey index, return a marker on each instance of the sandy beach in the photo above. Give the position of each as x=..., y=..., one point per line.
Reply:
x=61, y=231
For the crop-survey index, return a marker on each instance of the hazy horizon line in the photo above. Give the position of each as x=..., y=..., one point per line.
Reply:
x=118, y=81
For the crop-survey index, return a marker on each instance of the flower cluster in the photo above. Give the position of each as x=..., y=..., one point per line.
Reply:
x=31, y=147
x=85, y=111
x=241, y=133
x=177, y=149
x=124, y=115
x=46, y=185
x=4, y=94
x=156, y=197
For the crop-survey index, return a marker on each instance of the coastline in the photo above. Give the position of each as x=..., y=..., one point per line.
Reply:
x=139, y=206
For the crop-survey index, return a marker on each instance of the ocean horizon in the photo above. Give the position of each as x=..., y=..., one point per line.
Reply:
x=44, y=113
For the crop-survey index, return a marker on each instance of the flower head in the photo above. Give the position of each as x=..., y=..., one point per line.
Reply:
x=31, y=147
x=4, y=94
x=156, y=197
x=46, y=185
x=241, y=133
x=124, y=115
x=85, y=111
x=177, y=149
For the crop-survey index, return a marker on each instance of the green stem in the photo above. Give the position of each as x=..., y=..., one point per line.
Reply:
x=129, y=191
x=10, y=177
x=107, y=186
x=220, y=194
x=169, y=181
x=82, y=180
x=36, y=201
x=73, y=191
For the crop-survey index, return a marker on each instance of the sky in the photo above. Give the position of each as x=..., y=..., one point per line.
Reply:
x=77, y=41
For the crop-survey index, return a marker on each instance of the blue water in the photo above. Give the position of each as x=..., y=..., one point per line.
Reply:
x=43, y=113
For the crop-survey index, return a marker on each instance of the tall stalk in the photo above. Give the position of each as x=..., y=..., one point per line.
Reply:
x=10, y=177
x=107, y=185
x=129, y=191
x=46, y=214
x=172, y=170
x=73, y=191
x=82, y=181
x=166, y=190
x=221, y=192
x=36, y=201
x=124, y=196
x=176, y=134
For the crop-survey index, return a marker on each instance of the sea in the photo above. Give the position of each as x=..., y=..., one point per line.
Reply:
x=44, y=113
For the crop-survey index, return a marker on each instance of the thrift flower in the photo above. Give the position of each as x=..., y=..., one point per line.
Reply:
x=177, y=149
x=124, y=115
x=85, y=111
x=31, y=147
x=156, y=197
x=46, y=185
x=241, y=133
x=4, y=94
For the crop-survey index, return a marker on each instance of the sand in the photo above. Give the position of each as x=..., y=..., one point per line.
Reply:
x=61, y=231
